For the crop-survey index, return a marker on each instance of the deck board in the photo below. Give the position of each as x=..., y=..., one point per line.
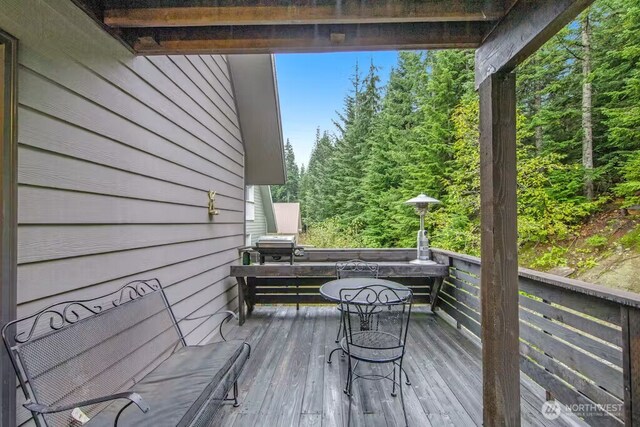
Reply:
x=287, y=381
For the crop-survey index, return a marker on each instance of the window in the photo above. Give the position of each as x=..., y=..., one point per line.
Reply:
x=250, y=206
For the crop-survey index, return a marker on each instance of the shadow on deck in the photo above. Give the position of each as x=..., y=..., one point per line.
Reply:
x=287, y=381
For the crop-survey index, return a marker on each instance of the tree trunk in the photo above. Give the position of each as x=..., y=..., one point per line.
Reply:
x=537, y=100
x=587, y=122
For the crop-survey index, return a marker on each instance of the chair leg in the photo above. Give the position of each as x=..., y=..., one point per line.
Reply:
x=333, y=351
x=405, y=375
x=393, y=390
x=347, y=386
x=235, y=395
x=339, y=327
x=406, y=422
x=349, y=411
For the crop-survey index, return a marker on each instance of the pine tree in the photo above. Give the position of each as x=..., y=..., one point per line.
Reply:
x=616, y=81
x=316, y=205
x=352, y=148
x=388, y=142
x=289, y=192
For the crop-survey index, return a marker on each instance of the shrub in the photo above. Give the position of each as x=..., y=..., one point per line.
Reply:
x=597, y=241
x=631, y=240
x=587, y=264
x=555, y=257
x=630, y=188
x=329, y=234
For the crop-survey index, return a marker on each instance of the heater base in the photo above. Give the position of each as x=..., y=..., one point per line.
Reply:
x=423, y=262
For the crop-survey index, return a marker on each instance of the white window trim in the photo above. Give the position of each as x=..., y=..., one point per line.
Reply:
x=251, y=193
x=250, y=206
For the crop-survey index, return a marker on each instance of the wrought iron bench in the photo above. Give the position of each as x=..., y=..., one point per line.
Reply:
x=101, y=358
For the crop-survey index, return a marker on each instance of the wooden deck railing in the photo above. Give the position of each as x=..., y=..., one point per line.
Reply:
x=580, y=342
x=300, y=284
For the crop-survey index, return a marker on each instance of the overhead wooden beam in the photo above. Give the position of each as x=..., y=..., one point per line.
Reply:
x=304, y=38
x=499, y=251
x=188, y=14
x=525, y=28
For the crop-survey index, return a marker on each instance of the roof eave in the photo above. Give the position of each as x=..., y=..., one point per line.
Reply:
x=256, y=93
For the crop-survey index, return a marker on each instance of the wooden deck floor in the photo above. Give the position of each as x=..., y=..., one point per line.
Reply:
x=287, y=381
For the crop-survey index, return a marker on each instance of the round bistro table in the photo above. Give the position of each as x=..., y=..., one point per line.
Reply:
x=331, y=290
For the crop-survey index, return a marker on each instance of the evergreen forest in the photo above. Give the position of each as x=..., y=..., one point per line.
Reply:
x=578, y=143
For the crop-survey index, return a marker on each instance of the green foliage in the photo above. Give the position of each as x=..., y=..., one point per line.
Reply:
x=317, y=202
x=587, y=264
x=630, y=187
x=419, y=134
x=329, y=234
x=631, y=240
x=597, y=242
x=554, y=257
x=457, y=222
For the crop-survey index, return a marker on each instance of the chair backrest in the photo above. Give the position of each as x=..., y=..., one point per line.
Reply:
x=356, y=268
x=376, y=319
x=79, y=350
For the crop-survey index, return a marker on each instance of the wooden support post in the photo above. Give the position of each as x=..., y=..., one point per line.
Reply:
x=630, y=318
x=242, y=291
x=437, y=285
x=250, y=294
x=8, y=216
x=499, y=271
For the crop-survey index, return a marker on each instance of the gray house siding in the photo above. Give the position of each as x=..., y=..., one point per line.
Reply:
x=116, y=155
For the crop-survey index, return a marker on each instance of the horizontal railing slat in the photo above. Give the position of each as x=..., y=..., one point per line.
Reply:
x=364, y=254
x=587, y=304
x=567, y=395
x=467, y=295
x=597, y=348
x=460, y=305
x=602, y=374
x=290, y=299
x=580, y=383
x=584, y=324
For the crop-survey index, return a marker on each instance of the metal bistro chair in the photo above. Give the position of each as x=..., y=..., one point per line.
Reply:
x=354, y=268
x=382, y=344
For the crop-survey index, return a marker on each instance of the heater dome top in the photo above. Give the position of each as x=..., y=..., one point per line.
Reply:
x=421, y=199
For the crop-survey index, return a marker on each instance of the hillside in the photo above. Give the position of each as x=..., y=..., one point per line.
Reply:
x=605, y=250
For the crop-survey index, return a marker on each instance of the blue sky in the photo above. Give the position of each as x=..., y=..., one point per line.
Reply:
x=312, y=88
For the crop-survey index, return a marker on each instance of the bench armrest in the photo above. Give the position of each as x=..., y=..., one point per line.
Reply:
x=230, y=315
x=131, y=396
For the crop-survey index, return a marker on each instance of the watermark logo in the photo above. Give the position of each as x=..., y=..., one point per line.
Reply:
x=551, y=409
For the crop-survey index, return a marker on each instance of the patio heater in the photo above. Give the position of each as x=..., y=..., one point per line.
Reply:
x=421, y=203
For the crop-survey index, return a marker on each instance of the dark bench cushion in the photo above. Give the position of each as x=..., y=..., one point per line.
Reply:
x=178, y=388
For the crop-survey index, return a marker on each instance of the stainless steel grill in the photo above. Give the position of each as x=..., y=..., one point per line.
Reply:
x=276, y=248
